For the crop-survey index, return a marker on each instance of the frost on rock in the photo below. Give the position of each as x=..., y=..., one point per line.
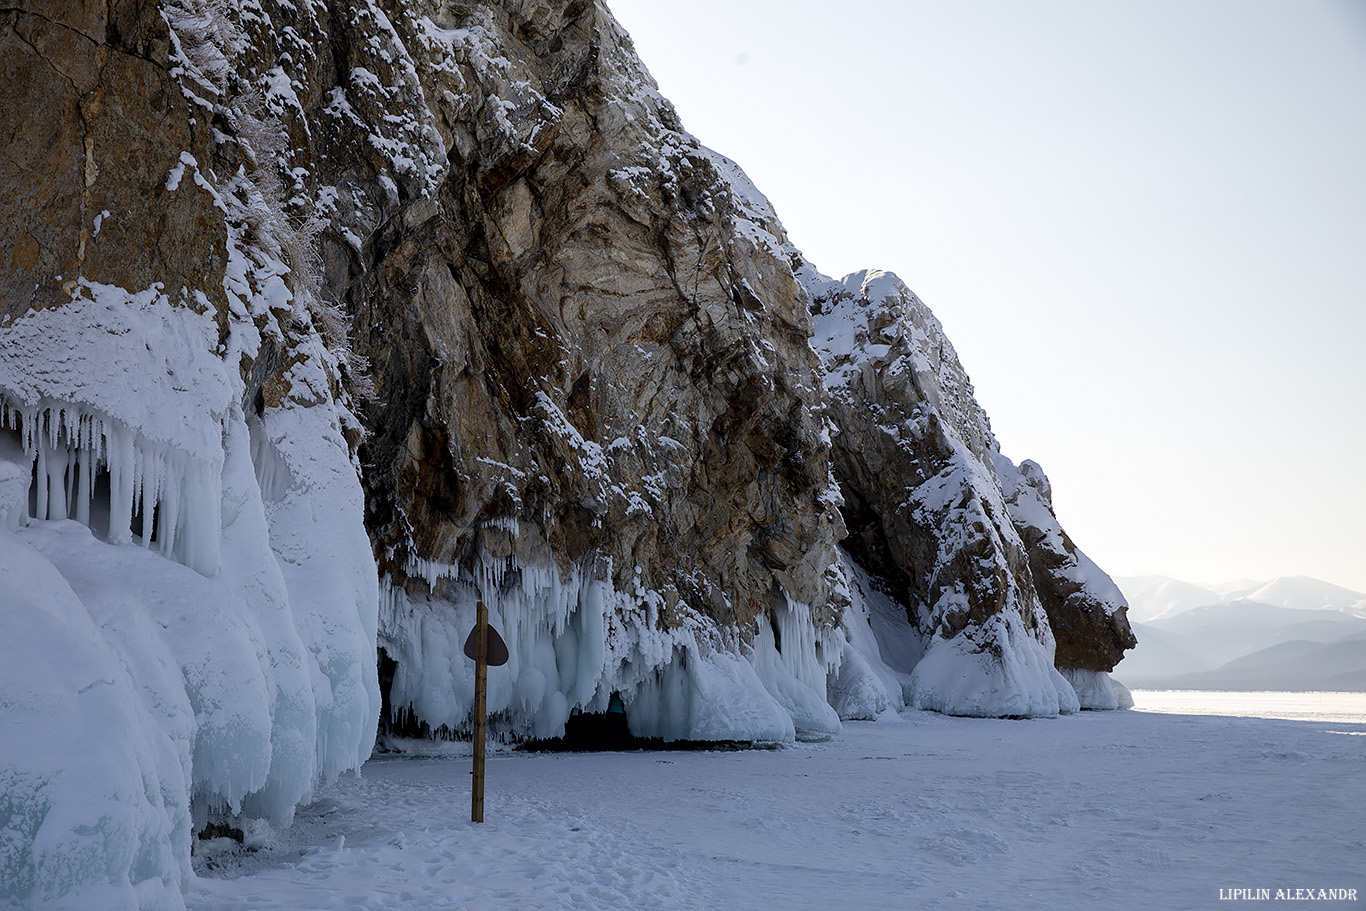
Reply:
x=870, y=323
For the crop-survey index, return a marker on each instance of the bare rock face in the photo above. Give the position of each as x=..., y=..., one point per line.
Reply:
x=565, y=326
x=94, y=125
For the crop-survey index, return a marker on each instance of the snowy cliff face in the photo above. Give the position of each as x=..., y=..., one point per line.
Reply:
x=188, y=594
x=1086, y=610
x=966, y=539
x=322, y=321
x=595, y=406
x=924, y=508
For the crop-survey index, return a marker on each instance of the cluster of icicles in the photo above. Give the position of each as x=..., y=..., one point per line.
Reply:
x=126, y=488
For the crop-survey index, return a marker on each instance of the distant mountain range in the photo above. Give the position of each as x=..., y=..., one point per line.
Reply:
x=1293, y=633
x=1155, y=597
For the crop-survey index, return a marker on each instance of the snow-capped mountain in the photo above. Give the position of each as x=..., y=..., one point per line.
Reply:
x=1303, y=593
x=322, y=322
x=1153, y=597
x=1295, y=632
x=1156, y=597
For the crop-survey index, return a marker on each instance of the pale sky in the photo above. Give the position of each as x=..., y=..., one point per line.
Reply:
x=1142, y=224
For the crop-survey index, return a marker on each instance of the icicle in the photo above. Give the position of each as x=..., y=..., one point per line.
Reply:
x=53, y=468
x=87, y=488
x=178, y=499
x=169, y=516
x=199, y=522
x=59, y=465
x=120, y=463
x=41, y=503
x=69, y=479
x=139, y=483
x=149, y=500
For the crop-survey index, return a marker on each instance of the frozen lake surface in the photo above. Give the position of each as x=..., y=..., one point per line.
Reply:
x=1350, y=707
x=1099, y=810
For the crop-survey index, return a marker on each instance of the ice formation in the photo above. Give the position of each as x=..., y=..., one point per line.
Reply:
x=1098, y=690
x=1010, y=674
x=881, y=649
x=151, y=473
x=95, y=780
x=890, y=665
x=227, y=686
x=204, y=574
x=573, y=641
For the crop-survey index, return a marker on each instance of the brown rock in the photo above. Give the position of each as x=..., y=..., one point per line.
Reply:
x=85, y=183
x=1086, y=610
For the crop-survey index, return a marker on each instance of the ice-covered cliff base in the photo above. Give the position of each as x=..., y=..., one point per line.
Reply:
x=188, y=602
x=574, y=641
x=142, y=698
x=888, y=665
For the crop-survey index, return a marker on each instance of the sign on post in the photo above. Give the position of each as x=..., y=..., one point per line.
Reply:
x=487, y=649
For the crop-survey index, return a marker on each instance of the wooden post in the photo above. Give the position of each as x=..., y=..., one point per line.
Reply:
x=481, y=676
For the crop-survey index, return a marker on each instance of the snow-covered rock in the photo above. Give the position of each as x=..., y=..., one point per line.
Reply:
x=925, y=510
x=1086, y=610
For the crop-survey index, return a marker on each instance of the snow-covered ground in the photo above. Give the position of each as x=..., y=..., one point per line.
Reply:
x=1096, y=810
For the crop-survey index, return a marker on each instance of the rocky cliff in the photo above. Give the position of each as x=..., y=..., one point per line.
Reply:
x=967, y=541
x=322, y=321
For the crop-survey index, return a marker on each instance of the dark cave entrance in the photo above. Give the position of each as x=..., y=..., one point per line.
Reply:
x=403, y=722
